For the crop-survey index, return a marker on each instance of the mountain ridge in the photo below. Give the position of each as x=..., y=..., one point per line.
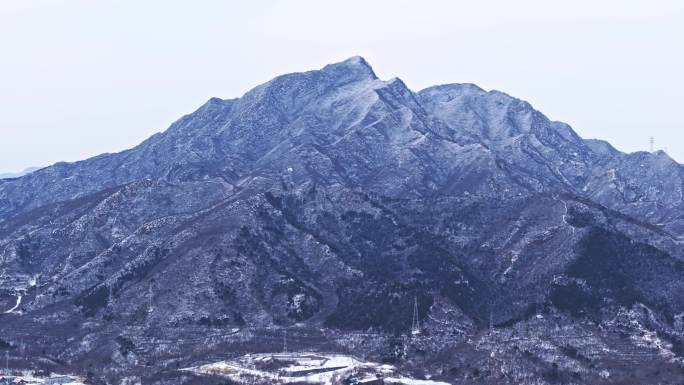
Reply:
x=11, y=175
x=356, y=66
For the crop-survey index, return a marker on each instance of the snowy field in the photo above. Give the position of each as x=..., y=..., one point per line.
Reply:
x=309, y=368
x=27, y=378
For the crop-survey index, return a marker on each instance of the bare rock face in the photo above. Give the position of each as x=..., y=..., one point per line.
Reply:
x=327, y=203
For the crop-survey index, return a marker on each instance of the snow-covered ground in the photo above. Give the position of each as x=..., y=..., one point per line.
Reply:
x=27, y=378
x=20, y=286
x=16, y=306
x=411, y=381
x=310, y=368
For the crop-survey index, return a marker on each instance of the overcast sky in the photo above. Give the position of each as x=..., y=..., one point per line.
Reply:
x=82, y=77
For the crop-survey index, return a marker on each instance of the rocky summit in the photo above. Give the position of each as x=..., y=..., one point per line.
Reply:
x=454, y=233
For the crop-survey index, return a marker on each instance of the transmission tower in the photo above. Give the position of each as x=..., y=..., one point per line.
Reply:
x=652, y=144
x=285, y=341
x=150, y=298
x=415, y=322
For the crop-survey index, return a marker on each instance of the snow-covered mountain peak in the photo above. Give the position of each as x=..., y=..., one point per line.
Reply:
x=355, y=127
x=448, y=92
x=354, y=68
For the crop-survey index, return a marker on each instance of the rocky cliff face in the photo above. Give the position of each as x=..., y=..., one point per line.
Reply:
x=326, y=202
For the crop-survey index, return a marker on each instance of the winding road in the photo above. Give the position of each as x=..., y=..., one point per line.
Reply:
x=15, y=306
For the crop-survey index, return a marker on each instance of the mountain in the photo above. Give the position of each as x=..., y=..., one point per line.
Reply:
x=18, y=174
x=324, y=205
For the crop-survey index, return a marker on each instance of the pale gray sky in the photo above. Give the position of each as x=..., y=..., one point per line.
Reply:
x=82, y=77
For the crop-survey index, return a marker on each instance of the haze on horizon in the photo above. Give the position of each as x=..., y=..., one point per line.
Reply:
x=79, y=78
